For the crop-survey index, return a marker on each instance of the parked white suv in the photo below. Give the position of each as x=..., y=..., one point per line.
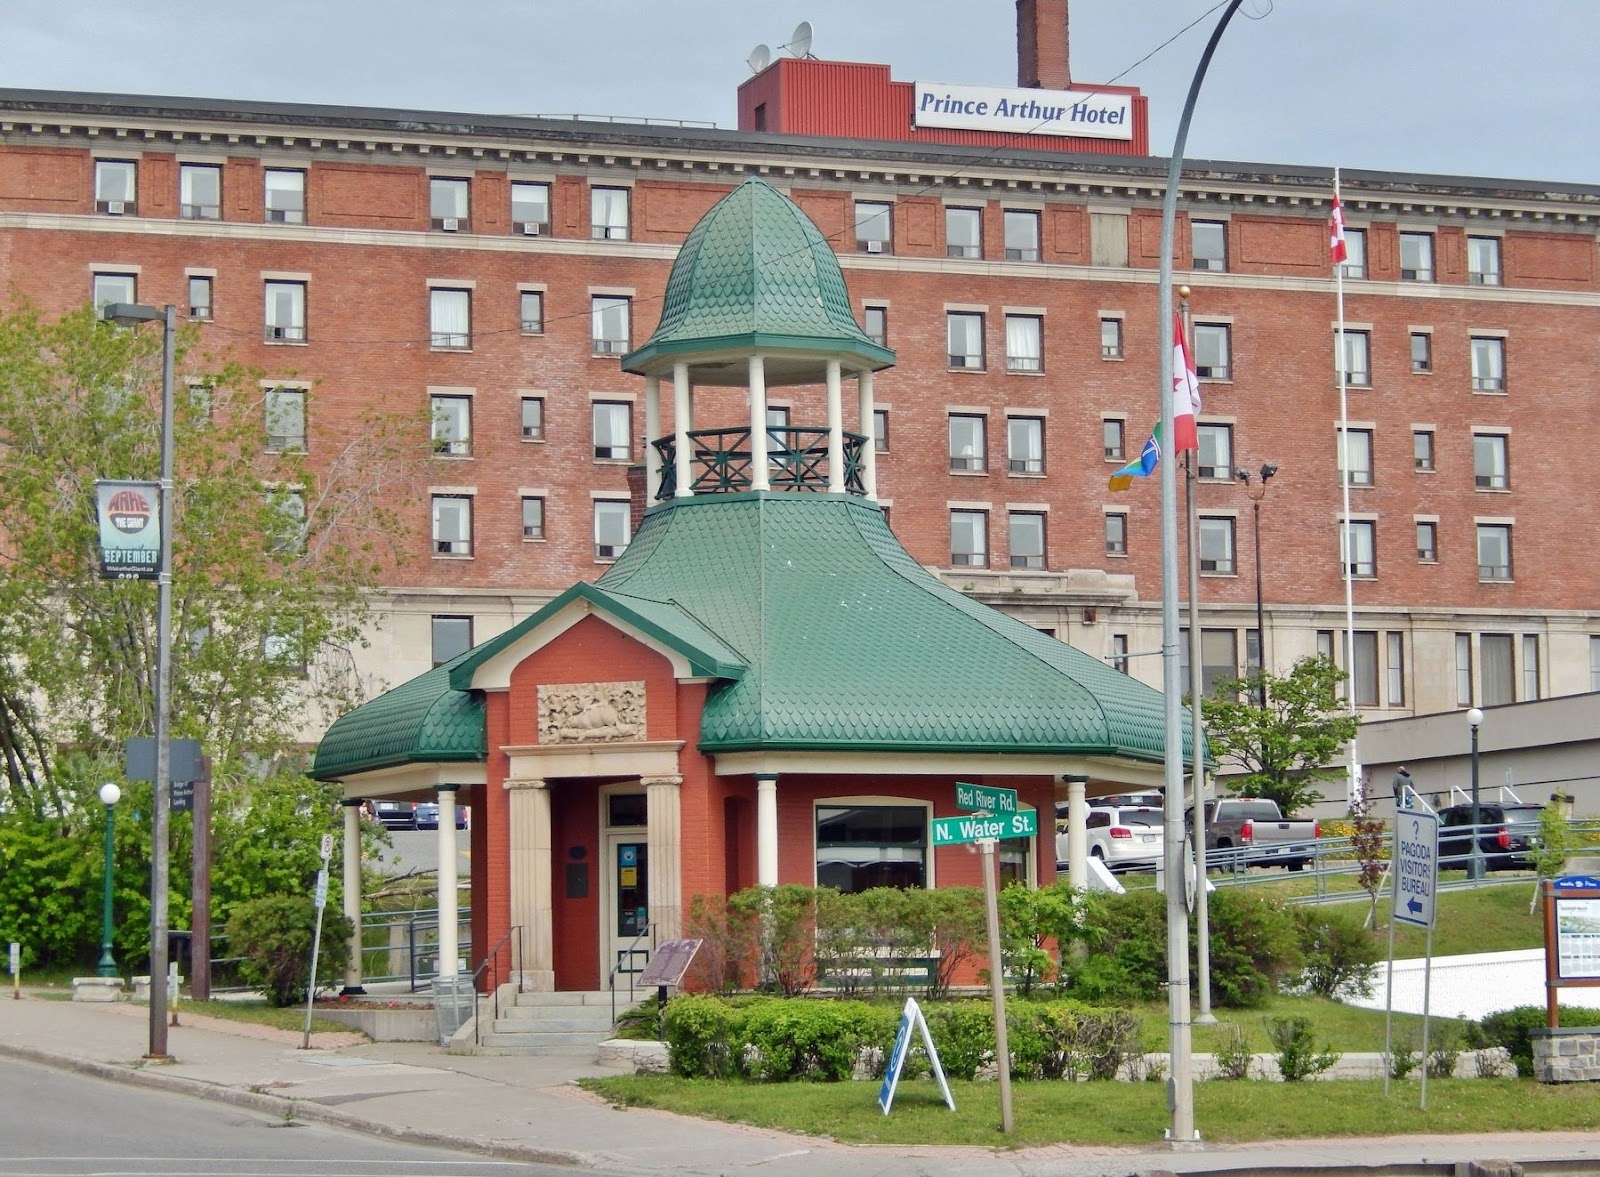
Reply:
x=1124, y=837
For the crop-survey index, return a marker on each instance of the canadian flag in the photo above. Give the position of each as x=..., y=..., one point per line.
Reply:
x=1185, y=393
x=1336, y=247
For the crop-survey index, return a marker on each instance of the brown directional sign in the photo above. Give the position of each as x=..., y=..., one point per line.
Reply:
x=668, y=963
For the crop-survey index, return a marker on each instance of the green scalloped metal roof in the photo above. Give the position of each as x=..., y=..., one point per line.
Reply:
x=756, y=274
x=420, y=721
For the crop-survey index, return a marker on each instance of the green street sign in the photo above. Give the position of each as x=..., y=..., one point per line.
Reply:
x=985, y=799
x=950, y=831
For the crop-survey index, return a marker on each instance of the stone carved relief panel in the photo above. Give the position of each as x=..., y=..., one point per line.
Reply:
x=591, y=712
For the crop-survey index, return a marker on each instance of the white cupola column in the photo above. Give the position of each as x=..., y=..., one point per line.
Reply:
x=652, y=430
x=835, y=431
x=449, y=901
x=681, y=424
x=758, y=425
x=869, y=451
x=766, y=830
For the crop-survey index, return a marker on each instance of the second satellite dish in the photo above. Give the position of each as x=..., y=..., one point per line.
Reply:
x=760, y=57
x=800, y=40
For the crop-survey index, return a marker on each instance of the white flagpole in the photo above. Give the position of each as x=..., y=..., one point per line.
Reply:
x=1354, y=785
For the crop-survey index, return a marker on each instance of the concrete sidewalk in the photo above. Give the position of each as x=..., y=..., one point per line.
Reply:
x=529, y=1108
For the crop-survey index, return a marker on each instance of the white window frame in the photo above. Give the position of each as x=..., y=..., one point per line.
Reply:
x=284, y=300
x=450, y=428
x=603, y=311
x=607, y=514
x=1491, y=460
x=610, y=214
x=450, y=204
x=1025, y=443
x=1024, y=245
x=1215, y=530
x=1362, y=536
x=606, y=417
x=449, y=318
x=286, y=405
x=1027, y=518
x=283, y=196
x=452, y=515
x=1025, y=343
x=190, y=209
x=967, y=455
x=969, y=537
x=520, y=222
x=1213, y=340
x=116, y=187
x=962, y=218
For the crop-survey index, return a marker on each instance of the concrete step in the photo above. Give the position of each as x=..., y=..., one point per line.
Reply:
x=502, y=1037
x=597, y=1000
x=532, y=1021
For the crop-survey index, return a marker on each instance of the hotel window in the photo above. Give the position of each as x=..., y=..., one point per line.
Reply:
x=110, y=288
x=531, y=312
x=1025, y=445
x=1213, y=351
x=608, y=213
x=1216, y=544
x=1024, y=343
x=969, y=539
x=860, y=847
x=1494, y=551
x=1116, y=533
x=1364, y=675
x=286, y=419
x=613, y=527
x=968, y=442
x=880, y=430
x=1421, y=351
x=283, y=650
x=1357, y=351
x=450, y=319
x=1422, y=449
x=116, y=187
x=452, y=425
x=1483, y=261
x=1108, y=239
x=1215, y=456
x=284, y=195
x=1427, y=541
x=199, y=192
x=963, y=232
x=964, y=334
x=1594, y=662
x=1355, y=248
x=876, y=320
x=1325, y=650
x=1463, y=670
x=449, y=204
x=1022, y=235
x=1026, y=538
x=1114, y=439
x=532, y=517
x=202, y=399
x=533, y=418
x=874, y=227
x=1488, y=364
x=200, y=297
x=1358, y=547
x=1119, y=652
x=452, y=525
x=1489, y=469
x=1209, y=244
x=778, y=447
x=1496, y=675
x=613, y=429
x=1416, y=257
x=288, y=533
x=1395, y=669
x=530, y=208
x=609, y=330
x=1252, y=654
x=452, y=637
x=1014, y=856
x=1530, y=666
x=1219, y=658
x=1355, y=456
x=1110, y=339
x=285, y=306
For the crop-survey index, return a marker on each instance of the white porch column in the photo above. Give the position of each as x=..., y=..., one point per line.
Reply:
x=835, y=431
x=1077, y=832
x=531, y=898
x=767, y=831
x=682, y=422
x=869, y=452
x=664, y=877
x=652, y=430
x=758, y=425
x=352, y=893
x=449, y=903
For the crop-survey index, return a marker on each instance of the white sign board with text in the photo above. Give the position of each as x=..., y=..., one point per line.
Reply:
x=1415, y=869
x=1089, y=114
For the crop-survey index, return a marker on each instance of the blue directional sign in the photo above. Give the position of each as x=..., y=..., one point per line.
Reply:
x=1415, y=869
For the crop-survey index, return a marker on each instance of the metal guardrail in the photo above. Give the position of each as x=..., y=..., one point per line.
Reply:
x=626, y=964
x=395, y=946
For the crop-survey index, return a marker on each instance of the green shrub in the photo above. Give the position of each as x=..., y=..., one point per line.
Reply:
x=705, y=1036
x=963, y=1034
x=1340, y=957
x=1298, y=1056
x=274, y=935
x=1031, y=922
x=785, y=920
x=728, y=943
x=1512, y=1029
x=1254, y=948
x=950, y=920
x=810, y=1040
x=1129, y=942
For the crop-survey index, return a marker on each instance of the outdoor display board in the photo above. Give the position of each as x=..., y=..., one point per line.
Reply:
x=1571, y=937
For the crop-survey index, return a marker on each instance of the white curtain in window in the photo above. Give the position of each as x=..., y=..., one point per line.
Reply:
x=611, y=526
x=286, y=190
x=286, y=304
x=286, y=418
x=452, y=315
x=1023, y=340
x=609, y=210
x=448, y=198
x=1026, y=440
x=1488, y=359
x=109, y=288
x=452, y=520
x=611, y=427
x=114, y=181
x=610, y=319
x=530, y=202
x=966, y=335
x=1494, y=652
x=201, y=186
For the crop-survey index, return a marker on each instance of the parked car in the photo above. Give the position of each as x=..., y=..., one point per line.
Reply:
x=396, y=815
x=1508, y=835
x=428, y=816
x=1124, y=837
x=1252, y=831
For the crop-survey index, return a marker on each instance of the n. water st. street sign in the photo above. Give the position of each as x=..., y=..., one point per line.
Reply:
x=985, y=798
x=1416, y=866
x=949, y=831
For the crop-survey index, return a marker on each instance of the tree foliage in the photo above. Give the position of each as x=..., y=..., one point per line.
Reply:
x=1281, y=748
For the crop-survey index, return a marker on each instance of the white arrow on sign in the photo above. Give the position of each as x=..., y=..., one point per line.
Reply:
x=1415, y=869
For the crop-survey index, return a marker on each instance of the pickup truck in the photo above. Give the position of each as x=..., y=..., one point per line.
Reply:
x=1251, y=831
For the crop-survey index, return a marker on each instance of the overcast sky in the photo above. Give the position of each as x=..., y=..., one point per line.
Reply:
x=1460, y=87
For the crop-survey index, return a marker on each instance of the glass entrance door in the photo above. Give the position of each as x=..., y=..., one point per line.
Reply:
x=627, y=913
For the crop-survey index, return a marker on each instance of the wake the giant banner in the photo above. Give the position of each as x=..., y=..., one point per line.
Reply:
x=130, y=521
x=1083, y=113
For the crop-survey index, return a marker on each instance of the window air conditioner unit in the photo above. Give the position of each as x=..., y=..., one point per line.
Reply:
x=277, y=333
x=530, y=228
x=277, y=214
x=450, y=224
x=115, y=207
x=874, y=247
x=1116, y=548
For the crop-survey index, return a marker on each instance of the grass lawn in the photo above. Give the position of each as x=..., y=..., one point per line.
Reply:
x=1344, y=1027
x=1114, y=1113
x=259, y=1013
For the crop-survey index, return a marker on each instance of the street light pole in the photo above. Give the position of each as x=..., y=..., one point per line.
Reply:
x=1257, y=493
x=109, y=796
x=1475, y=865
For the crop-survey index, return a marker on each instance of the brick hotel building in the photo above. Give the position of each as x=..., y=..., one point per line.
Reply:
x=489, y=272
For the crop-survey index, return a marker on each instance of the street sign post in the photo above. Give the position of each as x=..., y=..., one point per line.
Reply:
x=985, y=798
x=1413, y=883
x=320, y=898
x=951, y=831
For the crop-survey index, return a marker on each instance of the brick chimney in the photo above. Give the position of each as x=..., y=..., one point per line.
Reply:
x=1042, y=61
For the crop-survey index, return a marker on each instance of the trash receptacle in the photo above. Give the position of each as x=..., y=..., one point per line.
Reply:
x=454, y=1002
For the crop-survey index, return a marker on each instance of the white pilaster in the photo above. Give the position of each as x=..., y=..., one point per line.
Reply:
x=869, y=452
x=767, y=831
x=652, y=430
x=682, y=422
x=758, y=425
x=531, y=898
x=663, y=829
x=1077, y=833
x=449, y=904
x=352, y=892
x=835, y=431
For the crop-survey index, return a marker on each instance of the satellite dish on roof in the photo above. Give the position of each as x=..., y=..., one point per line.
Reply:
x=800, y=40
x=760, y=57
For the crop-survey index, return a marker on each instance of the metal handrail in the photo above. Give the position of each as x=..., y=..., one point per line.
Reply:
x=491, y=957
x=633, y=946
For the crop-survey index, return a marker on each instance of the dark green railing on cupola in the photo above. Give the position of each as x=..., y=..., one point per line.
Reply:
x=797, y=459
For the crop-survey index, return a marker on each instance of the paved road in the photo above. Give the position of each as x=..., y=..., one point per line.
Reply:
x=418, y=850
x=61, y=1124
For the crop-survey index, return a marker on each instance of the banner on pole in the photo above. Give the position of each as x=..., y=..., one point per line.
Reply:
x=129, y=517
